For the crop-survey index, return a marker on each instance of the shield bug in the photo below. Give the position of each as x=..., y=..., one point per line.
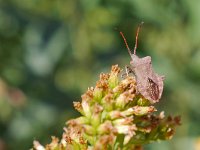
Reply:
x=149, y=83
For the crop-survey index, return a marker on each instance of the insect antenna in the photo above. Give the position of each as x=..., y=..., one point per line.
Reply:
x=136, y=37
x=129, y=50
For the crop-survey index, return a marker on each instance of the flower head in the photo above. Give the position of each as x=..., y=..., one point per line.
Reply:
x=113, y=116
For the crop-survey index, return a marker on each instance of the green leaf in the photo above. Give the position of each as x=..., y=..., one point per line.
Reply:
x=119, y=142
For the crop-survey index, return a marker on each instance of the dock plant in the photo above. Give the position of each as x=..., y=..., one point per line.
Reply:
x=113, y=116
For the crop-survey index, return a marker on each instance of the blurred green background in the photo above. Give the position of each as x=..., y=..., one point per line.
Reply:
x=52, y=50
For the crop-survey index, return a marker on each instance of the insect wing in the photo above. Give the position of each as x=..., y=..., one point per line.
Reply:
x=153, y=89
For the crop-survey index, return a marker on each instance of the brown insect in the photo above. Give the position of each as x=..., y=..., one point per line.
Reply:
x=149, y=83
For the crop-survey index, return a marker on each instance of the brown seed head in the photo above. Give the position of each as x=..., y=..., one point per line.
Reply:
x=104, y=76
x=97, y=108
x=82, y=140
x=177, y=120
x=77, y=106
x=109, y=97
x=115, y=69
x=88, y=96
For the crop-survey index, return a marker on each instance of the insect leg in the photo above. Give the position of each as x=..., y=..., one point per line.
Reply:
x=128, y=70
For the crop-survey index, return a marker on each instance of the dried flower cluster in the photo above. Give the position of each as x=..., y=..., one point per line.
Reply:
x=113, y=117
